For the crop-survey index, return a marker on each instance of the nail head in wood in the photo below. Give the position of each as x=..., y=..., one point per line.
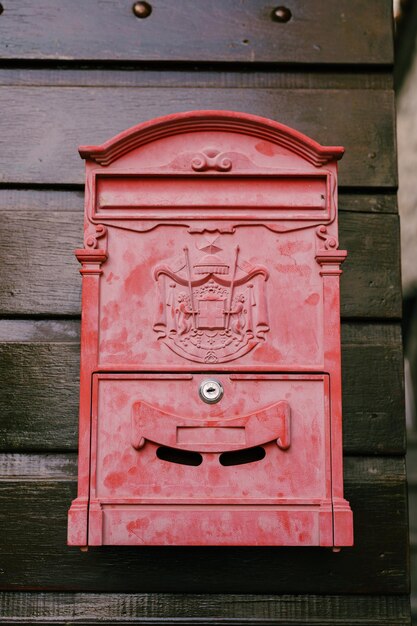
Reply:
x=142, y=9
x=281, y=14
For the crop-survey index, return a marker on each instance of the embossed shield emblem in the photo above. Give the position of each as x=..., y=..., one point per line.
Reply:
x=214, y=310
x=211, y=314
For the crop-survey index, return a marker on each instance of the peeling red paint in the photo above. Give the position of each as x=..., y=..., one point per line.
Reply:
x=266, y=148
x=289, y=248
x=313, y=299
x=300, y=270
x=115, y=480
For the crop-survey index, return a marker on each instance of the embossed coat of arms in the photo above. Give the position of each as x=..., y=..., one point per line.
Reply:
x=214, y=310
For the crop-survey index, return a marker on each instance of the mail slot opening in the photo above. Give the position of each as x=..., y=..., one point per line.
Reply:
x=240, y=457
x=181, y=457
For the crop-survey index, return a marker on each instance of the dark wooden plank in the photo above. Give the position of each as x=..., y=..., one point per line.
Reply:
x=373, y=389
x=50, y=467
x=46, y=200
x=43, y=277
x=343, y=31
x=39, y=331
x=371, y=270
x=39, y=396
x=366, y=203
x=304, y=77
x=35, y=556
x=211, y=609
x=56, y=120
x=39, y=392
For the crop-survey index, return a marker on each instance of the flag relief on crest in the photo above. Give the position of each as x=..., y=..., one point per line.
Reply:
x=212, y=308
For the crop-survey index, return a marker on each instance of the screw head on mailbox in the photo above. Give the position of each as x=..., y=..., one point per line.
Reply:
x=210, y=342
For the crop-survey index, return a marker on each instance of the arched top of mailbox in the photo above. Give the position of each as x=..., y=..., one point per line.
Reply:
x=201, y=121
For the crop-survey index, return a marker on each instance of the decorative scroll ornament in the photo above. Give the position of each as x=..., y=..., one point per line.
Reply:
x=328, y=254
x=211, y=159
x=91, y=239
x=213, y=311
x=330, y=242
x=91, y=257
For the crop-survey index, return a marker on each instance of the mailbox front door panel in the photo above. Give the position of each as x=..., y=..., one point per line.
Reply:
x=172, y=450
x=210, y=406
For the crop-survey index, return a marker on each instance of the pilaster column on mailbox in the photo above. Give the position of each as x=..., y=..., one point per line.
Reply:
x=91, y=259
x=210, y=393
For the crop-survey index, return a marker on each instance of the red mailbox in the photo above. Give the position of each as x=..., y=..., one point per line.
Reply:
x=210, y=350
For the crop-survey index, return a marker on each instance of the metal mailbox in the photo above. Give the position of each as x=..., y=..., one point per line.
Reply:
x=210, y=406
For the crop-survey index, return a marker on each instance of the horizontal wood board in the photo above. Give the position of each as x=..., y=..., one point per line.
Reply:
x=39, y=394
x=43, y=278
x=338, y=31
x=212, y=609
x=56, y=120
x=34, y=554
x=66, y=74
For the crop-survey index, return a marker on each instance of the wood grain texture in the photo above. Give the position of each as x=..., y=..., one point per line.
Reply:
x=372, y=267
x=367, y=203
x=49, y=467
x=34, y=282
x=43, y=278
x=56, y=120
x=145, y=75
x=210, y=609
x=373, y=389
x=34, y=554
x=39, y=401
x=346, y=31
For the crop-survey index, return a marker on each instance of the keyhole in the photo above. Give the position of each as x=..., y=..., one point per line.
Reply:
x=211, y=391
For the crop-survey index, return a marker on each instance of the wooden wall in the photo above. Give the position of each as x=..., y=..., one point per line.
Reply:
x=79, y=72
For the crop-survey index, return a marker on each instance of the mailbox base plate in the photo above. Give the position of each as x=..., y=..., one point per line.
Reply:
x=218, y=525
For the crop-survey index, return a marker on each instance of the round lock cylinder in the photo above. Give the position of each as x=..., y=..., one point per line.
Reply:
x=211, y=391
